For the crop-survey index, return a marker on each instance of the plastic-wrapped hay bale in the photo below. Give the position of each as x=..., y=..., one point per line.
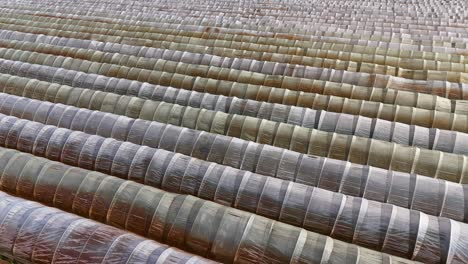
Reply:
x=384, y=186
x=286, y=201
x=181, y=221
x=33, y=233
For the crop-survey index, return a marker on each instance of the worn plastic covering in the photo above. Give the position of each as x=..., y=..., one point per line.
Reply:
x=223, y=233
x=349, y=219
x=79, y=149
x=439, y=88
x=400, y=133
x=355, y=149
x=34, y=233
